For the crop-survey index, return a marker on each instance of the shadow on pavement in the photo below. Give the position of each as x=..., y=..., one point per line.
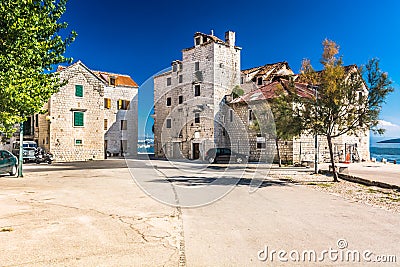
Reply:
x=202, y=181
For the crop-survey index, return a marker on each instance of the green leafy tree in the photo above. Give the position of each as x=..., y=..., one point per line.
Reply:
x=31, y=44
x=237, y=92
x=343, y=103
x=286, y=123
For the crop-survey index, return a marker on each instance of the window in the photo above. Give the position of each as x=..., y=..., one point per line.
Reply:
x=169, y=101
x=197, y=90
x=123, y=104
x=124, y=146
x=180, y=99
x=78, y=119
x=197, y=41
x=168, y=122
x=169, y=81
x=261, y=145
x=37, y=120
x=174, y=67
x=105, y=124
x=124, y=125
x=241, y=80
x=259, y=81
x=196, y=117
x=107, y=103
x=196, y=65
x=181, y=66
x=180, y=78
x=360, y=97
x=78, y=142
x=79, y=90
x=113, y=81
x=204, y=39
x=231, y=115
x=251, y=115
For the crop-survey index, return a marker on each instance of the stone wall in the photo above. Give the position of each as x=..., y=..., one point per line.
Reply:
x=62, y=105
x=114, y=134
x=218, y=72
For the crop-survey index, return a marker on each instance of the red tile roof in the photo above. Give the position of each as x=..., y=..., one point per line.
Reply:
x=269, y=91
x=120, y=79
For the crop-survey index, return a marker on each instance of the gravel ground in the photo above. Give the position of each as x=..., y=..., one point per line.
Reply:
x=387, y=199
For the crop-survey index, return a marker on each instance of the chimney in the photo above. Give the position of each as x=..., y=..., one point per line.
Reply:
x=212, y=33
x=230, y=38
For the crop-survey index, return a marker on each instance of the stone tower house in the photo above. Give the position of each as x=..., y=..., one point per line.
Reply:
x=188, y=99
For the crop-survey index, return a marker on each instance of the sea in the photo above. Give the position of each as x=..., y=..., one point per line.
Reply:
x=391, y=152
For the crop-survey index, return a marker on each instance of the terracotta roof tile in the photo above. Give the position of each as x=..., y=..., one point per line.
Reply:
x=269, y=91
x=120, y=79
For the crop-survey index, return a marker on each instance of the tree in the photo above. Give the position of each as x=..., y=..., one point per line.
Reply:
x=343, y=103
x=286, y=123
x=237, y=92
x=31, y=44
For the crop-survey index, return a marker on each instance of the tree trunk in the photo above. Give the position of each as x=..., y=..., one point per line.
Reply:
x=335, y=175
x=278, y=152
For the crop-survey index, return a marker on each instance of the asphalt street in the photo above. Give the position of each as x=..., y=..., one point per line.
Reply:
x=102, y=213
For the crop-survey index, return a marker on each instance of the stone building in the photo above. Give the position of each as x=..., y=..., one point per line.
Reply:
x=253, y=78
x=188, y=99
x=300, y=149
x=93, y=113
x=194, y=109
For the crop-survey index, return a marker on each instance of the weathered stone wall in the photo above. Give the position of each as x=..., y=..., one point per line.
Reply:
x=63, y=134
x=114, y=134
x=218, y=73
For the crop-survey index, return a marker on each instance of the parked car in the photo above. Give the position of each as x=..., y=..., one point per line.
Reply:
x=29, y=148
x=8, y=163
x=222, y=154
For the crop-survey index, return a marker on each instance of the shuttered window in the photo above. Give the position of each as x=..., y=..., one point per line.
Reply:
x=78, y=119
x=123, y=104
x=107, y=103
x=78, y=142
x=79, y=90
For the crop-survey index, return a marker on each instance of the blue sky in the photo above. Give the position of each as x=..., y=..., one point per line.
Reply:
x=140, y=38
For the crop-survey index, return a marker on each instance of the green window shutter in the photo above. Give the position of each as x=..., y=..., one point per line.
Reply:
x=79, y=90
x=78, y=119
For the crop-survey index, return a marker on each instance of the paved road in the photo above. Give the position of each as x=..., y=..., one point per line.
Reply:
x=84, y=214
x=93, y=214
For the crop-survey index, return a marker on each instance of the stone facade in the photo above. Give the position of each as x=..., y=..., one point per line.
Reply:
x=189, y=122
x=297, y=150
x=74, y=128
x=189, y=97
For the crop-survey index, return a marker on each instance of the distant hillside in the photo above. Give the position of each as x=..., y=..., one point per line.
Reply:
x=390, y=141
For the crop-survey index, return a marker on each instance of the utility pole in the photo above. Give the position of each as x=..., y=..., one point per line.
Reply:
x=21, y=149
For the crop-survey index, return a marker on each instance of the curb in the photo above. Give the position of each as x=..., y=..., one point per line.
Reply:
x=362, y=181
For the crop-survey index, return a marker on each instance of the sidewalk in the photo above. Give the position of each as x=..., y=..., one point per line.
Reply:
x=373, y=171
